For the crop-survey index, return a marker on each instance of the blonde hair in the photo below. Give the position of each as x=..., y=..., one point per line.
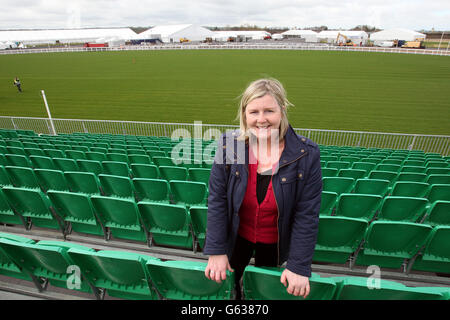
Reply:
x=258, y=89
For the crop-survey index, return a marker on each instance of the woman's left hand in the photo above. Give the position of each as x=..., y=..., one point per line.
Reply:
x=298, y=285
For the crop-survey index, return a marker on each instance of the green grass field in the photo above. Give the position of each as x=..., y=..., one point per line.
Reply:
x=330, y=90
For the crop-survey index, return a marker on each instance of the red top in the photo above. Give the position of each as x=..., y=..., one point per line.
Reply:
x=258, y=222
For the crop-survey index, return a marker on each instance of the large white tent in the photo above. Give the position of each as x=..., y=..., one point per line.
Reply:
x=356, y=36
x=308, y=35
x=397, y=34
x=173, y=33
x=245, y=35
x=64, y=35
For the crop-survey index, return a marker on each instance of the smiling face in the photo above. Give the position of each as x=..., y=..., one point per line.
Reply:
x=263, y=117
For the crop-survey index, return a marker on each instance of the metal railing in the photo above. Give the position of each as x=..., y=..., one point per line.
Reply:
x=427, y=143
x=237, y=46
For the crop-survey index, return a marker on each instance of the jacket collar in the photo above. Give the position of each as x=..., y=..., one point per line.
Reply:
x=294, y=147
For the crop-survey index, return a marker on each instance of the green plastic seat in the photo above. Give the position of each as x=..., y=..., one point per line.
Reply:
x=65, y=164
x=148, y=171
x=438, y=214
x=83, y=182
x=436, y=255
x=413, y=169
x=18, y=160
x=51, y=180
x=22, y=177
x=383, y=175
x=173, y=173
x=7, y=215
x=7, y=266
x=388, y=243
x=388, y=167
x=329, y=172
x=366, y=166
x=95, y=156
x=40, y=162
x=338, y=238
x=33, y=206
x=438, y=179
x=371, y=186
x=75, y=154
x=352, y=173
x=15, y=149
x=199, y=175
x=77, y=211
x=54, y=153
x=338, y=184
x=45, y=260
x=163, y=161
x=151, y=190
x=264, y=284
x=328, y=202
x=121, y=217
x=437, y=170
x=188, y=192
x=167, y=224
x=410, y=189
x=90, y=166
x=354, y=205
x=117, y=157
x=199, y=217
x=156, y=153
x=4, y=178
x=116, y=186
x=139, y=158
x=185, y=280
x=359, y=288
x=116, y=168
x=122, y=274
x=439, y=192
x=411, y=176
x=436, y=164
x=397, y=208
x=338, y=164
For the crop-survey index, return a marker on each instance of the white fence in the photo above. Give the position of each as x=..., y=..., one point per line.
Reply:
x=428, y=143
x=237, y=46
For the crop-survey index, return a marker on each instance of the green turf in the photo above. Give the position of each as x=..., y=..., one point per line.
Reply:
x=331, y=90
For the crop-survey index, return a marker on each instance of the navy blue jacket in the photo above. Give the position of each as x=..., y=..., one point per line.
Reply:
x=297, y=187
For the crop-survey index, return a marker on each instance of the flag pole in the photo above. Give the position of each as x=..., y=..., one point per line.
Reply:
x=49, y=114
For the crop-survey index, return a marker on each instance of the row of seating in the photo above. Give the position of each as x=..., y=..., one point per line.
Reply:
x=383, y=187
x=339, y=237
x=72, y=156
x=388, y=244
x=130, y=275
x=157, y=223
x=392, y=208
x=93, y=181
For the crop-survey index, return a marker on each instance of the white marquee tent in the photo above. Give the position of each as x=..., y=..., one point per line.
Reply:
x=308, y=35
x=397, y=34
x=355, y=36
x=64, y=35
x=173, y=33
x=252, y=35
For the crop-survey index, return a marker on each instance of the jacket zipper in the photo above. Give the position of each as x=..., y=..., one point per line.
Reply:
x=278, y=210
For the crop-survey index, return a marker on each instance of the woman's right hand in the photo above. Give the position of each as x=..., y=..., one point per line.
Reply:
x=217, y=267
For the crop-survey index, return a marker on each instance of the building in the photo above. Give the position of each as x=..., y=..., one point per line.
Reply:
x=397, y=34
x=33, y=37
x=174, y=33
x=308, y=35
x=355, y=36
x=240, y=35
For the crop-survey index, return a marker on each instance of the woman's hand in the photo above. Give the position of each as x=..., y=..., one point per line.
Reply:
x=298, y=285
x=217, y=267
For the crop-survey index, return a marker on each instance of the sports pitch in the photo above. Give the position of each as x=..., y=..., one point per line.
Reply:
x=379, y=92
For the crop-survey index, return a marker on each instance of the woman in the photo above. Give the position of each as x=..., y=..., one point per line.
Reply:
x=264, y=193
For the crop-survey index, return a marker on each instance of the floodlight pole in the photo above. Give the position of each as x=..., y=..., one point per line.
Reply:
x=441, y=40
x=49, y=114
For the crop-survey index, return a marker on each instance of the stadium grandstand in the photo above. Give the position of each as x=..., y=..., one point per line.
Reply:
x=125, y=216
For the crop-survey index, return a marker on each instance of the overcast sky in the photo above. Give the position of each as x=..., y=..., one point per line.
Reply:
x=411, y=14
